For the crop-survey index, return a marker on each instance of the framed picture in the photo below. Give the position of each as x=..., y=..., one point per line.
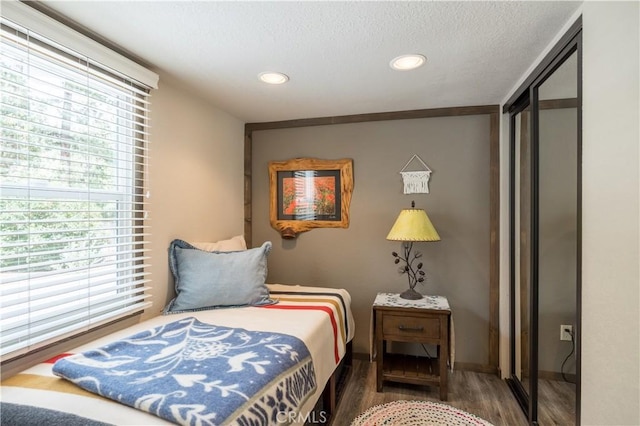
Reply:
x=307, y=193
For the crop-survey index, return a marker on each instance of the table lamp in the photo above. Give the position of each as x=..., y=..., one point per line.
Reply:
x=412, y=225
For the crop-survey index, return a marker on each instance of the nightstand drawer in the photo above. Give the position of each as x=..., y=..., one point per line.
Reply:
x=410, y=326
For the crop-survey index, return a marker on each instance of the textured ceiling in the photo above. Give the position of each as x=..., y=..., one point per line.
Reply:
x=336, y=53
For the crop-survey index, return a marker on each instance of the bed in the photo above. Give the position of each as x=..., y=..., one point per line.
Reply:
x=319, y=318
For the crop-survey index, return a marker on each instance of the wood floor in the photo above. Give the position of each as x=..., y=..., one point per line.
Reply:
x=556, y=402
x=484, y=395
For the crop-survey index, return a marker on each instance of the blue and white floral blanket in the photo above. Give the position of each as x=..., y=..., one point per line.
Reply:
x=193, y=373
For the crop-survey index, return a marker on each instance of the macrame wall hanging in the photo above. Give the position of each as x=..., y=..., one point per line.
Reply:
x=416, y=182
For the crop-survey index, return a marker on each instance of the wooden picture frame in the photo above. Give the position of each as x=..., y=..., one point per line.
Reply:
x=308, y=193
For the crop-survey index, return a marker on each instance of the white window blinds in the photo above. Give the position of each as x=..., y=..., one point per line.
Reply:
x=73, y=225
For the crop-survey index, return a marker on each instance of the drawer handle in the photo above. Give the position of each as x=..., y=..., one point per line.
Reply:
x=405, y=328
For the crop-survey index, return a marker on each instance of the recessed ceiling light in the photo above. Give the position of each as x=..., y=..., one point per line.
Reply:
x=273, y=77
x=407, y=62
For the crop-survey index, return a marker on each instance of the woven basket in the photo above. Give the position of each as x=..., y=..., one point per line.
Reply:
x=417, y=413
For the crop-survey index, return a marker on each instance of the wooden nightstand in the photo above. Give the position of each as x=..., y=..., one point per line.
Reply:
x=418, y=321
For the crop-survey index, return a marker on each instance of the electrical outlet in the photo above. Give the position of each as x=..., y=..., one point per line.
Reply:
x=564, y=334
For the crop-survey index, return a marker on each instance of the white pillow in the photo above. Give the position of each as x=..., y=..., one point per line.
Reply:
x=236, y=243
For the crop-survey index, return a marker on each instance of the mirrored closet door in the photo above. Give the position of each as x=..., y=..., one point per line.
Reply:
x=545, y=197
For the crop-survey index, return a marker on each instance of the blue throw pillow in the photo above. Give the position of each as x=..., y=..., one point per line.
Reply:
x=208, y=280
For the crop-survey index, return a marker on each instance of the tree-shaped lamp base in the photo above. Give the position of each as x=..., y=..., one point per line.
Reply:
x=411, y=294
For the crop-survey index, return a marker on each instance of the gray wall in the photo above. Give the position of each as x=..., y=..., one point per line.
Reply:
x=359, y=258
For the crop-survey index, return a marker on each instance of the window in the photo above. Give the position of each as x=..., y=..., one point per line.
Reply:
x=72, y=192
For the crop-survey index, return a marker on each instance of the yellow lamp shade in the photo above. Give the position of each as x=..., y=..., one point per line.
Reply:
x=413, y=225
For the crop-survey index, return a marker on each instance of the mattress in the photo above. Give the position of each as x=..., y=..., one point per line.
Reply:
x=320, y=317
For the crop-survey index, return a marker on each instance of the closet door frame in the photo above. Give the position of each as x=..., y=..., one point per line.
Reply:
x=527, y=96
x=521, y=394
